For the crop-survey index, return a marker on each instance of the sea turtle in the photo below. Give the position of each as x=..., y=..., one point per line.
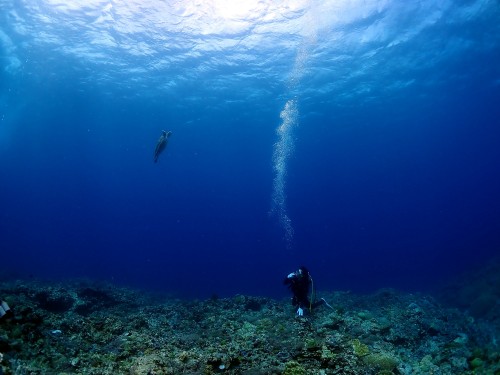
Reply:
x=162, y=143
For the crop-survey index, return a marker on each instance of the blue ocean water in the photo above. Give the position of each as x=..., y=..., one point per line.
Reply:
x=359, y=138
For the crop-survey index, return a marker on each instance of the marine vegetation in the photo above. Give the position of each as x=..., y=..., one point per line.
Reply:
x=82, y=327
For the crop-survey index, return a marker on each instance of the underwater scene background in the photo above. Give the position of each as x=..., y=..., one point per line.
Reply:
x=358, y=138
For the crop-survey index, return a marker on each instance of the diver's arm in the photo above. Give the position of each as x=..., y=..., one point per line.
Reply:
x=290, y=279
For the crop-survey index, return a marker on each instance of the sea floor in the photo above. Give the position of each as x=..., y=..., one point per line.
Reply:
x=81, y=327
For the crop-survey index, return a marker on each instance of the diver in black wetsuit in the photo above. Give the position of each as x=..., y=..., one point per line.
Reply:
x=299, y=282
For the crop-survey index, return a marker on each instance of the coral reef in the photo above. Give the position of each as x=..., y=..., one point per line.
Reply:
x=85, y=328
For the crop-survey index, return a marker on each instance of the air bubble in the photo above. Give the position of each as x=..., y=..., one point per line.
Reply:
x=283, y=148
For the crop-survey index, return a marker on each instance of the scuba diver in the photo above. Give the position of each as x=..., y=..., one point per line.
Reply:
x=299, y=283
x=4, y=309
x=161, y=144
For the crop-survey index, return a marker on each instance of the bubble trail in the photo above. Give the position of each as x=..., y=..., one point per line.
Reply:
x=283, y=148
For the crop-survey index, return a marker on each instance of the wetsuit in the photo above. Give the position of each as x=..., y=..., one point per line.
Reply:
x=299, y=283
